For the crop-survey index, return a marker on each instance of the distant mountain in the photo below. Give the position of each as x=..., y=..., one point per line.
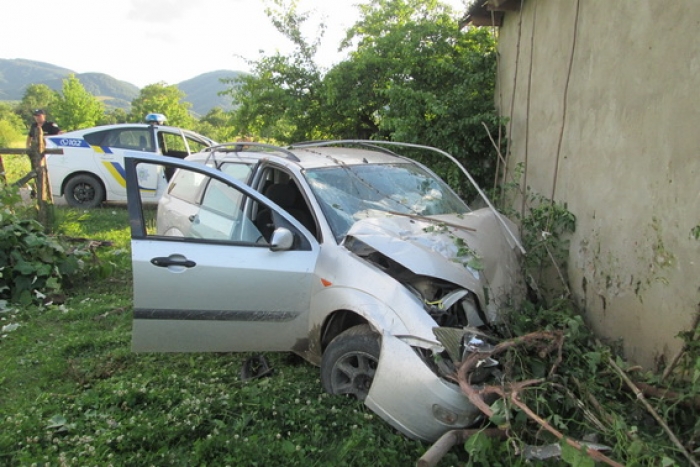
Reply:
x=201, y=91
x=16, y=74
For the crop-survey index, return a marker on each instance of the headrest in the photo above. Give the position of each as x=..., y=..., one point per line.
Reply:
x=283, y=194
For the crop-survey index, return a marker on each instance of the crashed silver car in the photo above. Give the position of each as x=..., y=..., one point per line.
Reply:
x=357, y=258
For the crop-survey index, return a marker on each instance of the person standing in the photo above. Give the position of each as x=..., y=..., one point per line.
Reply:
x=47, y=128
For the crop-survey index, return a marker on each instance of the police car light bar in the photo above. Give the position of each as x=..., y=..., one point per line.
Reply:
x=155, y=119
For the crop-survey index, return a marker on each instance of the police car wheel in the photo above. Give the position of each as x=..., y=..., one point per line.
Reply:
x=84, y=191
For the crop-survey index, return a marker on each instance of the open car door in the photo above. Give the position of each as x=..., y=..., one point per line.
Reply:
x=220, y=286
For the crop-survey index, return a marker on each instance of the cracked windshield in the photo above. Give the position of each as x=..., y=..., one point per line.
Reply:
x=348, y=194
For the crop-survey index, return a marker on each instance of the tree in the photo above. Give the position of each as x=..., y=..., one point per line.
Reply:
x=216, y=124
x=414, y=76
x=432, y=83
x=77, y=108
x=163, y=99
x=113, y=116
x=36, y=96
x=281, y=100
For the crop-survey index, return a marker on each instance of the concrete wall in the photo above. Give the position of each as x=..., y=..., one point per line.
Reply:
x=629, y=163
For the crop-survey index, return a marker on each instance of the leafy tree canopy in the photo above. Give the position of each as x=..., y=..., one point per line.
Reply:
x=281, y=99
x=163, y=99
x=434, y=83
x=36, y=96
x=413, y=76
x=216, y=124
x=77, y=108
x=113, y=116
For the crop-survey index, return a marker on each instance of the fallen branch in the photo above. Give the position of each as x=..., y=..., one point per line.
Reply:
x=663, y=393
x=650, y=409
x=511, y=391
x=442, y=446
x=594, y=402
x=592, y=453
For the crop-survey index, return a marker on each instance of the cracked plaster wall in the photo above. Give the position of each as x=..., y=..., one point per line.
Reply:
x=629, y=164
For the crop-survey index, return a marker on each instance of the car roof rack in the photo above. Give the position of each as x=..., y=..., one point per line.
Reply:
x=240, y=146
x=358, y=142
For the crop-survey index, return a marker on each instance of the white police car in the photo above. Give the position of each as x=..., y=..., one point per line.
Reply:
x=91, y=169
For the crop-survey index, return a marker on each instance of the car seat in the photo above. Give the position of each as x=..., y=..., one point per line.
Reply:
x=287, y=196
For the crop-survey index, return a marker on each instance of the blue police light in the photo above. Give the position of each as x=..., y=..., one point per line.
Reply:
x=156, y=119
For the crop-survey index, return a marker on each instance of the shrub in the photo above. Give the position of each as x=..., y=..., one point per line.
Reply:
x=32, y=264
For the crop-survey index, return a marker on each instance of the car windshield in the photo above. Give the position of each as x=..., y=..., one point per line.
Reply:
x=350, y=193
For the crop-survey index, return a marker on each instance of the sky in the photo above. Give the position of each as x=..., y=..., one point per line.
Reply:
x=149, y=41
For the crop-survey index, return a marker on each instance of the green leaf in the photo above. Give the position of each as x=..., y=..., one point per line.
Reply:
x=500, y=413
x=288, y=447
x=57, y=421
x=574, y=457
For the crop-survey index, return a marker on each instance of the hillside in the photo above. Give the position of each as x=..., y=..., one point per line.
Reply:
x=202, y=91
x=16, y=74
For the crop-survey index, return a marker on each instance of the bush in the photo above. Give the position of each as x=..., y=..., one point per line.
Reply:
x=33, y=265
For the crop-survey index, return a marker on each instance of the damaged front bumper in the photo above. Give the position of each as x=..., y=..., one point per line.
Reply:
x=422, y=406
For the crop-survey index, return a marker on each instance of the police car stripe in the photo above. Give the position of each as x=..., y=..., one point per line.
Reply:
x=117, y=171
x=102, y=149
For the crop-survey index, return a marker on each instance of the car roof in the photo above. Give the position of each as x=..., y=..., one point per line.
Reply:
x=305, y=156
x=76, y=133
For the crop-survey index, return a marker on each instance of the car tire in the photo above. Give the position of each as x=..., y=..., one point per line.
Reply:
x=84, y=191
x=350, y=362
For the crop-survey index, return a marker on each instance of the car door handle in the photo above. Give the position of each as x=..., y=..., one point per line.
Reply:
x=164, y=262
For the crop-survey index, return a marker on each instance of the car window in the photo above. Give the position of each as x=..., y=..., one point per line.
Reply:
x=95, y=138
x=138, y=139
x=179, y=144
x=239, y=171
x=186, y=185
x=221, y=216
x=199, y=207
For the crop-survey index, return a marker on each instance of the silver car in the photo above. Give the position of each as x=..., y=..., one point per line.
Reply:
x=359, y=259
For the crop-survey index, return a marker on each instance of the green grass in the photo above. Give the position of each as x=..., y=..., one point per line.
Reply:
x=16, y=166
x=73, y=393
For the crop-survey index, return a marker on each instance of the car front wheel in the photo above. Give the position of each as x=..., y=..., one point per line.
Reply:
x=350, y=362
x=84, y=191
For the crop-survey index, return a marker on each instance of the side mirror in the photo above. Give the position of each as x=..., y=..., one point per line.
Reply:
x=282, y=239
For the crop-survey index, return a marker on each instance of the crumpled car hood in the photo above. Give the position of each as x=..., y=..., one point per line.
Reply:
x=471, y=250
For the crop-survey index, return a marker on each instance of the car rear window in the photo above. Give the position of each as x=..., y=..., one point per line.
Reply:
x=187, y=186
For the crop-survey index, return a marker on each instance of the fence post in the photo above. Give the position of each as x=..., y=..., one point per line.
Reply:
x=44, y=199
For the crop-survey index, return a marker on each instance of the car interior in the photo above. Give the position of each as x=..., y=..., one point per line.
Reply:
x=280, y=188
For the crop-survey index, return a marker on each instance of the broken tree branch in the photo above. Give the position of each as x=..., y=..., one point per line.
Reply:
x=650, y=409
x=592, y=453
x=511, y=391
x=663, y=393
x=472, y=361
